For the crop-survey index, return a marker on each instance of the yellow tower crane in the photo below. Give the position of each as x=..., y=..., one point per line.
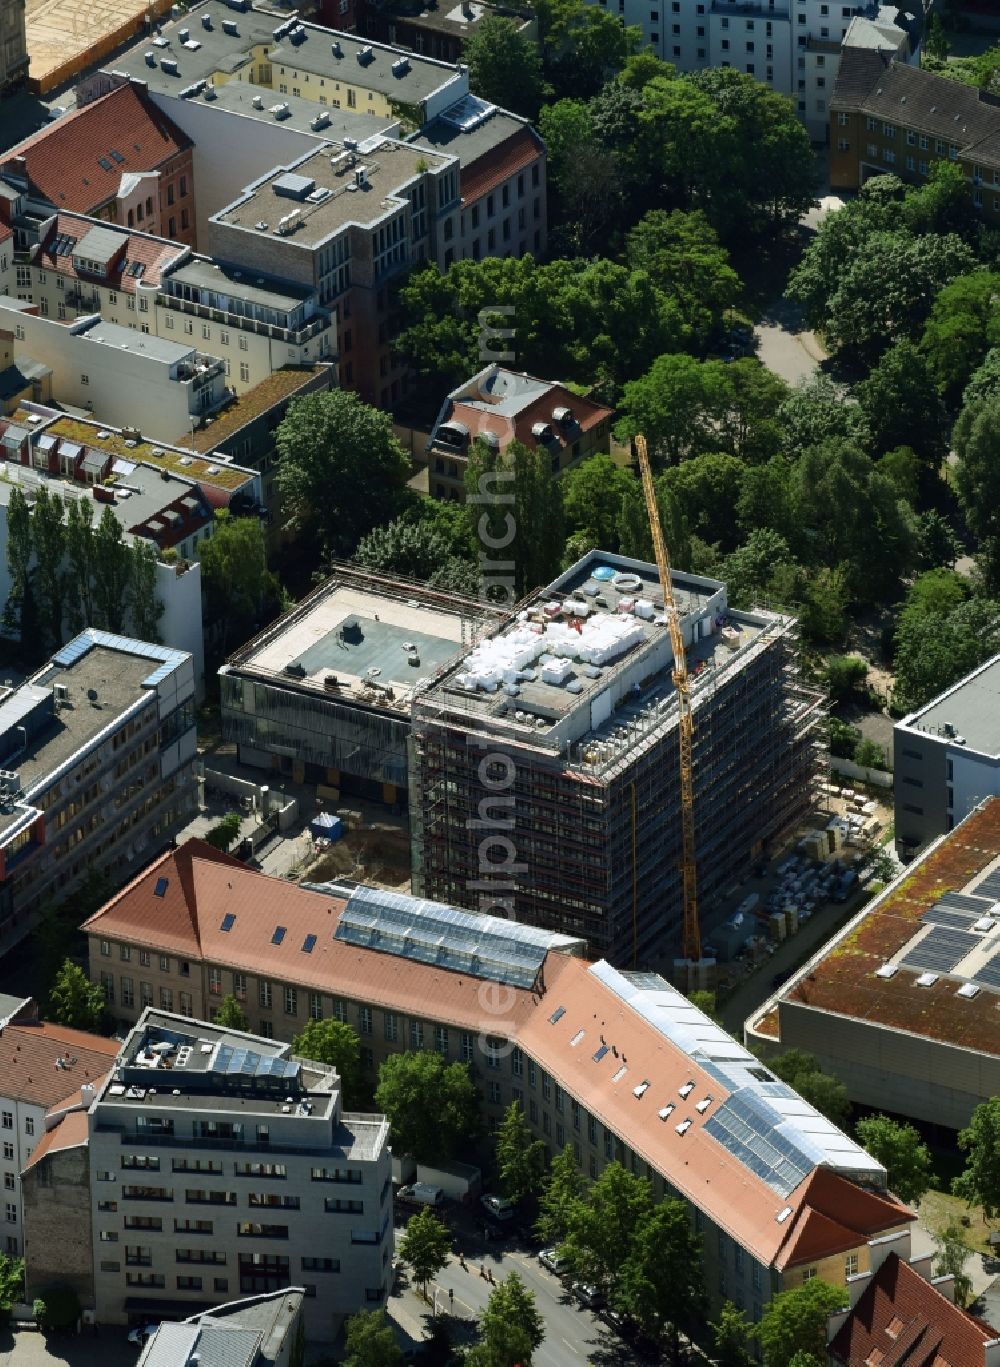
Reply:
x=682, y=684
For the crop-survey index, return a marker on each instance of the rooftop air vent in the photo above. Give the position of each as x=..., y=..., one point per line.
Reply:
x=927, y=979
x=336, y=50
x=366, y=55
x=968, y=990
x=887, y=971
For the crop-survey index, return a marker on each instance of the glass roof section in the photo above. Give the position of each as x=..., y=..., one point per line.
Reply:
x=432, y=933
x=752, y=1130
x=247, y=1063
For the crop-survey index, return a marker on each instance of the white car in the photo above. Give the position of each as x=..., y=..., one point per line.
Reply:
x=498, y=1206
x=142, y=1332
x=549, y=1257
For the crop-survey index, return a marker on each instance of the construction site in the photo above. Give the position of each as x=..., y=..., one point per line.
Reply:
x=556, y=738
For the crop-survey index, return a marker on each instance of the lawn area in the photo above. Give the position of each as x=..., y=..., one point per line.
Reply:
x=939, y=1209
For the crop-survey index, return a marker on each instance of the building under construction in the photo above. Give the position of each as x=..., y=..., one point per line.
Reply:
x=544, y=775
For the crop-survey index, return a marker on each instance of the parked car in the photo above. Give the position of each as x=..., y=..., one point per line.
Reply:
x=549, y=1257
x=591, y=1297
x=142, y=1332
x=420, y=1194
x=498, y=1207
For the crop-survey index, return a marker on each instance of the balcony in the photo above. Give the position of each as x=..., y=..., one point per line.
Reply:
x=241, y=323
x=751, y=9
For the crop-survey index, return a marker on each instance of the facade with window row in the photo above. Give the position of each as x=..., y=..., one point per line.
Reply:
x=618, y=1066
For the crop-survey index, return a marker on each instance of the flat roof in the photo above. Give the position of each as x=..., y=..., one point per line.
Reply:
x=229, y=53
x=389, y=166
x=127, y=339
x=115, y=677
x=469, y=130
x=63, y=35
x=922, y=925
x=357, y=628
x=251, y=404
x=970, y=708
x=237, y=97
x=205, y=274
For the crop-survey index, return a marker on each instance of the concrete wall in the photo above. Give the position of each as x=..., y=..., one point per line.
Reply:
x=891, y=1070
x=58, y=1245
x=181, y=623
x=122, y=387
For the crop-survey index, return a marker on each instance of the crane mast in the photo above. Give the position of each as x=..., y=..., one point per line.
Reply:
x=682, y=685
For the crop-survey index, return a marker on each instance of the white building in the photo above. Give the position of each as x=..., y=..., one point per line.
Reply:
x=40, y=1064
x=221, y=1165
x=791, y=45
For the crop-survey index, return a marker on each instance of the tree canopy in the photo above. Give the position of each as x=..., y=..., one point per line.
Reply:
x=795, y=1322
x=75, y=1001
x=336, y=1044
x=504, y=66
x=431, y=1104
x=370, y=1341
x=426, y=1246
x=899, y=1148
x=520, y=1158
x=979, y=1184
x=510, y=1328
x=802, y=1071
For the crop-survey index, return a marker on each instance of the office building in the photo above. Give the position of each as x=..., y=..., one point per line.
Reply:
x=901, y=1004
x=890, y=117
x=39, y=1064
x=946, y=758
x=573, y=701
x=255, y=1331
x=617, y=1065
x=442, y=34
x=221, y=1165
x=96, y=750
x=323, y=695
x=499, y=406
x=119, y=159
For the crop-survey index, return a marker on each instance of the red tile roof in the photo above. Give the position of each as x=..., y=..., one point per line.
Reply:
x=927, y=1329
x=203, y=887
x=499, y=164
x=71, y=1132
x=152, y=253
x=62, y=159
x=479, y=419
x=28, y=1053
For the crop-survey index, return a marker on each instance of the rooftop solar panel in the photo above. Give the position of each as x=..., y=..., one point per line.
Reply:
x=941, y=916
x=963, y=901
x=989, y=974
x=990, y=886
x=940, y=950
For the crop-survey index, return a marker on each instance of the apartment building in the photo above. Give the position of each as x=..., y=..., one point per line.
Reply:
x=222, y=1165
x=573, y=703
x=442, y=34
x=13, y=46
x=302, y=698
x=499, y=406
x=890, y=117
x=618, y=1065
x=794, y=46
x=96, y=749
x=132, y=378
x=39, y=1064
x=119, y=159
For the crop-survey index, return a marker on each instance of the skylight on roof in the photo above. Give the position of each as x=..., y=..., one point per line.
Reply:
x=683, y=1127
x=161, y=887
x=642, y=1088
x=617, y=1077
x=703, y=1106
x=104, y=164
x=577, y=1038
x=117, y=156
x=665, y=1112
x=309, y=944
x=687, y=1089
x=557, y=1015
x=783, y=1214
x=228, y=921
x=601, y=1051
x=279, y=935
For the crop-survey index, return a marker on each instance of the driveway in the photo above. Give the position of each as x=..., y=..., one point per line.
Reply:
x=28, y=1348
x=785, y=346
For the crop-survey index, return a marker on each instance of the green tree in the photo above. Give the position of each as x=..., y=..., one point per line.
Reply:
x=112, y=562
x=934, y=650
x=952, y=1255
x=583, y=180
x=732, y=1335
x=515, y=509
x=426, y=1246
x=11, y=1284
x=706, y=1003
x=602, y=1228
x=18, y=560
x=432, y=1105
x=899, y=1148
x=802, y=1072
x=795, y=1322
x=341, y=470
x=582, y=45
x=660, y=1285
x=593, y=496
x=976, y=481
x=564, y=1188
x=870, y=755
x=520, y=1158
x=58, y=1309
x=48, y=539
x=818, y=410
x=676, y=405
x=706, y=490
x=748, y=572
x=936, y=41
x=80, y=554
x=235, y=581
x=844, y=676
x=979, y=1184
x=75, y=1001
x=230, y=1015
x=370, y=1341
x=961, y=330
x=505, y=67
x=901, y=405
x=510, y=1327
x=224, y=834
x=411, y=549
x=144, y=606
x=682, y=255
x=334, y=1043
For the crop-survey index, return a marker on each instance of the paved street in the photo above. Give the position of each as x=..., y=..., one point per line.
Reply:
x=785, y=347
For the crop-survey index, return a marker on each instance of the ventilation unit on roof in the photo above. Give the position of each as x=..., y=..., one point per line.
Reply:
x=927, y=979
x=336, y=50
x=150, y=58
x=169, y=65
x=366, y=55
x=401, y=66
x=683, y=1127
x=206, y=21
x=968, y=990
x=231, y=27
x=321, y=120
x=887, y=971
x=687, y=1089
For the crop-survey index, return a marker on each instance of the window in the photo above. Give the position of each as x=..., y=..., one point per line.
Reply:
x=128, y=992
x=888, y=156
x=291, y=1002
x=911, y=163
x=164, y=964
x=441, y=1040
x=911, y=138
x=851, y=1265
x=143, y=958
x=366, y=1020
x=416, y=1034
x=215, y=981
x=496, y=1095
x=889, y=130
x=244, y=372
x=843, y=145
x=264, y=994
x=8, y=1150
x=145, y=994
x=923, y=168
x=924, y=142
x=468, y=1046
x=315, y=1006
